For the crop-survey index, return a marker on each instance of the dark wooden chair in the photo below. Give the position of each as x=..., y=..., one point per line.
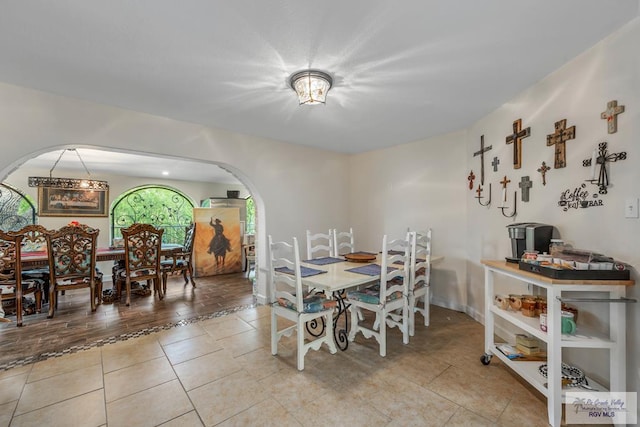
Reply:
x=142, y=252
x=11, y=284
x=181, y=261
x=34, y=240
x=72, y=263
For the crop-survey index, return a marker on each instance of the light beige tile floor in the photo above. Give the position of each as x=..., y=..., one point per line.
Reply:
x=221, y=372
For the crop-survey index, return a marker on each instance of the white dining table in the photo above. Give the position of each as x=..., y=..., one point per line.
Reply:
x=336, y=280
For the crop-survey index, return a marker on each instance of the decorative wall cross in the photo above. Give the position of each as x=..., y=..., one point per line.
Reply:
x=495, y=163
x=559, y=139
x=516, y=138
x=481, y=153
x=611, y=115
x=525, y=184
x=504, y=183
x=543, y=170
x=470, y=178
x=601, y=159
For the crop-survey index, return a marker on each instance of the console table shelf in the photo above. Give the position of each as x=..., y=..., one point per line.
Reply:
x=551, y=387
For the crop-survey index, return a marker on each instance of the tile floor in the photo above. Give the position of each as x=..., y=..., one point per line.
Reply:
x=220, y=372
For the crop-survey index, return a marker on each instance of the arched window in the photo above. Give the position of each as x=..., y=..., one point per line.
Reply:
x=16, y=208
x=160, y=206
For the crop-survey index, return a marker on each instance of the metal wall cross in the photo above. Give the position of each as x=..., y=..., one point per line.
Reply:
x=611, y=115
x=543, y=170
x=495, y=163
x=602, y=159
x=481, y=153
x=525, y=184
x=516, y=139
x=559, y=139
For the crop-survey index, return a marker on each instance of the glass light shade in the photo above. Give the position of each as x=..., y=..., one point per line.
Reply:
x=311, y=86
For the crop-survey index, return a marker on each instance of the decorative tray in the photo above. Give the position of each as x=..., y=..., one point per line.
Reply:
x=567, y=274
x=360, y=257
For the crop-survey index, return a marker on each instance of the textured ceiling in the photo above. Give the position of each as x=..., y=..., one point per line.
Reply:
x=403, y=71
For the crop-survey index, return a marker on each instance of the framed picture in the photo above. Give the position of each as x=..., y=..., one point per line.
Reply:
x=72, y=202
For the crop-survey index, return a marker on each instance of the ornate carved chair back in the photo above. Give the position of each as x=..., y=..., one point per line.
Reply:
x=11, y=284
x=72, y=263
x=34, y=240
x=180, y=261
x=142, y=252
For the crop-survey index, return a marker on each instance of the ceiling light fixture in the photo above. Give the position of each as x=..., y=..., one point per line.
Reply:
x=311, y=86
x=74, y=183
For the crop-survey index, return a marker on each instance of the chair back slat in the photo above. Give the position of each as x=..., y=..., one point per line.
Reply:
x=394, y=276
x=343, y=242
x=285, y=285
x=420, y=271
x=320, y=245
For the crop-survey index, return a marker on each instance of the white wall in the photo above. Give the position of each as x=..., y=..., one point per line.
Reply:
x=294, y=187
x=424, y=184
x=416, y=185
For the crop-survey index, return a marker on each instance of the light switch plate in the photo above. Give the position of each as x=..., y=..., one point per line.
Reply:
x=631, y=207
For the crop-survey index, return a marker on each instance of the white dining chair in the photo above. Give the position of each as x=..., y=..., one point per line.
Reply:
x=289, y=302
x=320, y=245
x=419, y=278
x=343, y=242
x=388, y=299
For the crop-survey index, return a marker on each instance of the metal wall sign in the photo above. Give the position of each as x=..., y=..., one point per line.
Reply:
x=579, y=197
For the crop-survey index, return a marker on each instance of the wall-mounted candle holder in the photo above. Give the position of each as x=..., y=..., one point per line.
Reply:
x=479, y=196
x=515, y=208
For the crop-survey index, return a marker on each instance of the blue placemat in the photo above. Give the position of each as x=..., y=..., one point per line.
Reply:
x=323, y=261
x=369, y=269
x=304, y=271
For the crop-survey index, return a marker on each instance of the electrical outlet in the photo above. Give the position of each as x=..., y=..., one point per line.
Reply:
x=631, y=207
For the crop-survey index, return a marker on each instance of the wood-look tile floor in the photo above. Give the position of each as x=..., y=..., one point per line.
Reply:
x=220, y=371
x=75, y=325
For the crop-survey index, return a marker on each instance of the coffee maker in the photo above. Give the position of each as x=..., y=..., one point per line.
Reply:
x=529, y=236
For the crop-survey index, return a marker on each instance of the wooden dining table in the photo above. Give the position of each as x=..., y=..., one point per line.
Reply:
x=36, y=259
x=336, y=281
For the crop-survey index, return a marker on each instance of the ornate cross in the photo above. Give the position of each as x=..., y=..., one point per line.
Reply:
x=559, y=139
x=516, y=138
x=543, y=170
x=481, y=153
x=602, y=158
x=495, y=163
x=525, y=184
x=470, y=178
x=611, y=114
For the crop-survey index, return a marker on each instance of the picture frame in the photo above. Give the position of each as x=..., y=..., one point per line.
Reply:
x=72, y=202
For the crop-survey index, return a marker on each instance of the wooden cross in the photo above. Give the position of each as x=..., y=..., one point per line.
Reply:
x=479, y=192
x=559, y=139
x=516, y=138
x=470, y=178
x=611, y=114
x=504, y=183
x=602, y=158
x=481, y=153
x=525, y=184
x=543, y=170
x=495, y=164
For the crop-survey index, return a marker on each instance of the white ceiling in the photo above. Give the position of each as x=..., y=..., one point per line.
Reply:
x=402, y=70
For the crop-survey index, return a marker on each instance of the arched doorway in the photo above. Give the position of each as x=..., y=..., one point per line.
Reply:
x=189, y=165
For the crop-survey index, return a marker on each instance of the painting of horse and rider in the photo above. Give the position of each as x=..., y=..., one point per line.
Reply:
x=218, y=244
